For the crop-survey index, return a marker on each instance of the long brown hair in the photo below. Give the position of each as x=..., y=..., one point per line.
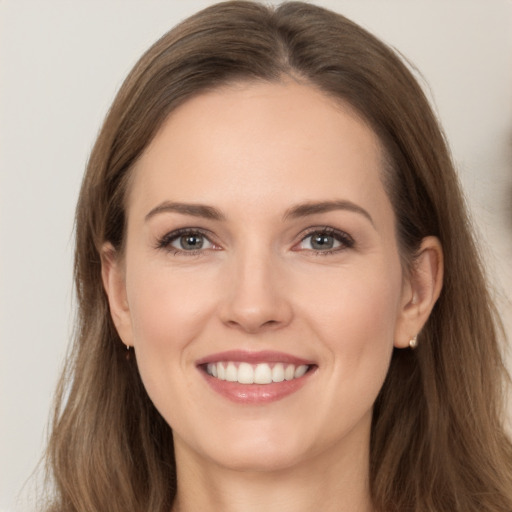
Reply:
x=437, y=440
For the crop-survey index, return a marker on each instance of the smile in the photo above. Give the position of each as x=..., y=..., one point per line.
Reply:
x=262, y=373
x=253, y=378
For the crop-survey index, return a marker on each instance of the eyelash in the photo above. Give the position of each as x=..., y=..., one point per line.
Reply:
x=344, y=239
x=166, y=241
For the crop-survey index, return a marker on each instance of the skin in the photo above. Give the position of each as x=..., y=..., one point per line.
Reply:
x=255, y=151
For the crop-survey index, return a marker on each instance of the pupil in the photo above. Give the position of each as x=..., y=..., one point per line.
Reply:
x=322, y=241
x=191, y=241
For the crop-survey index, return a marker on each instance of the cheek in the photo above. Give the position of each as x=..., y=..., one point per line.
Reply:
x=168, y=312
x=359, y=337
x=363, y=302
x=166, y=307
x=356, y=321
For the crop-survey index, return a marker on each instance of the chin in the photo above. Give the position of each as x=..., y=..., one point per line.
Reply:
x=258, y=448
x=261, y=458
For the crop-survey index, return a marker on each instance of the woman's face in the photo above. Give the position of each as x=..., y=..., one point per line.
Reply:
x=261, y=248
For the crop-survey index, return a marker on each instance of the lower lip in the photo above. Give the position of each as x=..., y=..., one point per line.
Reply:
x=256, y=393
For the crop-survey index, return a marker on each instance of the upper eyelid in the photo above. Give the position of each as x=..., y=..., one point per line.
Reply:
x=181, y=231
x=170, y=236
x=325, y=229
x=345, y=240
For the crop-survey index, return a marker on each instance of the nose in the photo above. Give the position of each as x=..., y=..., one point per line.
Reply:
x=256, y=297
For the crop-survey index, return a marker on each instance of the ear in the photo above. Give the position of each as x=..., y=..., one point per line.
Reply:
x=420, y=292
x=113, y=276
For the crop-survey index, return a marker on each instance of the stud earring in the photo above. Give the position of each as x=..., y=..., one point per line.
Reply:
x=413, y=342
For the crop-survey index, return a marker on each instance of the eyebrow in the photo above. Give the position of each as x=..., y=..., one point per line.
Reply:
x=305, y=209
x=195, y=210
x=298, y=211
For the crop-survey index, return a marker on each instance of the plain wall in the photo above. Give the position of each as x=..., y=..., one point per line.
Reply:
x=61, y=63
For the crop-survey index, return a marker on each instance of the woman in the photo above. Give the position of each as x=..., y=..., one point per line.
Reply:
x=281, y=304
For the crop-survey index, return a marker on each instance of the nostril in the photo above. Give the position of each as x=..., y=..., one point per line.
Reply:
x=253, y=325
x=252, y=310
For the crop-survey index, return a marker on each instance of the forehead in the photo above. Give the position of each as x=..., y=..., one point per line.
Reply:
x=286, y=141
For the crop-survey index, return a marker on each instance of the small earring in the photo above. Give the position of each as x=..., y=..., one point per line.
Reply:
x=128, y=355
x=413, y=342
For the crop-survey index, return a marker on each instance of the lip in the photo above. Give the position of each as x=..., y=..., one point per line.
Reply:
x=254, y=394
x=265, y=356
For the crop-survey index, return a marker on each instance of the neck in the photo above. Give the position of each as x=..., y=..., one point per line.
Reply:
x=332, y=482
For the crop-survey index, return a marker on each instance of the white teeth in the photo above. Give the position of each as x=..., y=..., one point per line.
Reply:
x=231, y=373
x=212, y=369
x=221, y=371
x=289, y=373
x=245, y=373
x=300, y=370
x=278, y=373
x=262, y=373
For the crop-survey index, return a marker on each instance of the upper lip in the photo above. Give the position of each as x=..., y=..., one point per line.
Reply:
x=243, y=356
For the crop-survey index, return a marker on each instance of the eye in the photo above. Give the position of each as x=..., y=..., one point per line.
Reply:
x=326, y=240
x=185, y=241
x=191, y=242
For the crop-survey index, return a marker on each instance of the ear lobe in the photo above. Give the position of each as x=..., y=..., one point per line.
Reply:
x=420, y=295
x=113, y=276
